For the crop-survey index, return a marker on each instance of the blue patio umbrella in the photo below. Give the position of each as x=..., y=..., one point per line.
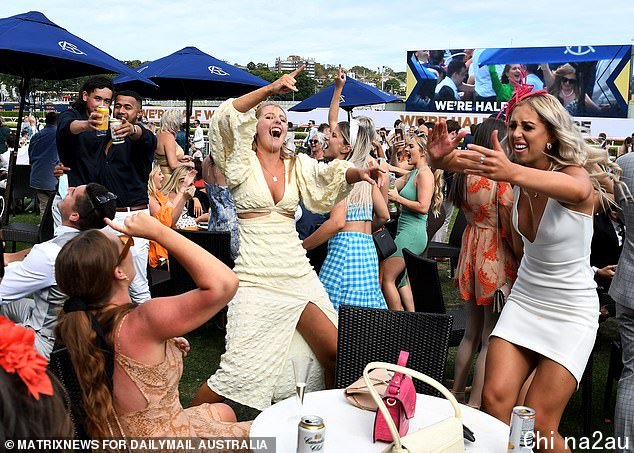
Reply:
x=562, y=54
x=354, y=94
x=31, y=46
x=190, y=74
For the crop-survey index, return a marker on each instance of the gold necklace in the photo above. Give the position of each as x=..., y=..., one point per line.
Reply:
x=267, y=170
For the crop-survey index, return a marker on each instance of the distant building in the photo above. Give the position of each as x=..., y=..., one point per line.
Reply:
x=293, y=62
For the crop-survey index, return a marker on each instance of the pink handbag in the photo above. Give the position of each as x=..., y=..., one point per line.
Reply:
x=400, y=400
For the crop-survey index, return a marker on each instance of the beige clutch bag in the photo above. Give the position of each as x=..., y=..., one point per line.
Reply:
x=358, y=394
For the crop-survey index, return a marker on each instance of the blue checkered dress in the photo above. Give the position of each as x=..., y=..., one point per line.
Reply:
x=350, y=273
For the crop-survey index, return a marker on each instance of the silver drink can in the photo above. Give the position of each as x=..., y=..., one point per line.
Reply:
x=522, y=435
x=115, y=123
x=392, y=205
x=311, y=434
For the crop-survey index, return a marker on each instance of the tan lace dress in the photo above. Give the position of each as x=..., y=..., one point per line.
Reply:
x=164, y=416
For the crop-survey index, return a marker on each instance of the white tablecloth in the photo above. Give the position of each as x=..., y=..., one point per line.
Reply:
x=349, y=429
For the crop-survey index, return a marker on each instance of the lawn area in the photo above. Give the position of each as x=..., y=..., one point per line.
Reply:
x=207, y=346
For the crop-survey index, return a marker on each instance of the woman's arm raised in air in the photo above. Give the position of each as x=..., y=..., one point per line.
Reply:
x=333, y=111
x=163, y=318
x=284, y=84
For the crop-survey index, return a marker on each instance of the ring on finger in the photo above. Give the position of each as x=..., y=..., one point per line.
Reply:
x=481, y=160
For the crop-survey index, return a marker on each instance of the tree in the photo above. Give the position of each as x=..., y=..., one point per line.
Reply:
x=392, y=85
x=251, y=66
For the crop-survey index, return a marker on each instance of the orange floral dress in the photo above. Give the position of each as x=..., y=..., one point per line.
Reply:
x=486, y=261
x=164, y=215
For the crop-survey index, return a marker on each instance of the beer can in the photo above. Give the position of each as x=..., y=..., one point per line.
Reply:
x=392, y=205
x=115, y=123
x=522, y=435
x=104, y=111
x=311, y=434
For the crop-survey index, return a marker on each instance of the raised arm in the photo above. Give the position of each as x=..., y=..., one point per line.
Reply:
x=442, y=150
x=333, y=112
x=163, y=318
x=284, y=84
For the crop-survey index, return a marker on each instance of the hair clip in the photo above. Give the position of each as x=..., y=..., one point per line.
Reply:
x=521, y=92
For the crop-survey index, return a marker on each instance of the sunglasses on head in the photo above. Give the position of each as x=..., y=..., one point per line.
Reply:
x=98, y=201
x=128, y=241
x=567, y=80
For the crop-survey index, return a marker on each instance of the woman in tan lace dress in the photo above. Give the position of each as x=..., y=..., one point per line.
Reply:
x=126, y=357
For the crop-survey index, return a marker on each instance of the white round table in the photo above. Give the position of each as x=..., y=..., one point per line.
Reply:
x=349, y=428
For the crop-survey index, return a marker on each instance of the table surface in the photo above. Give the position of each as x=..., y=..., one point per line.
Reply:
x=349, y=428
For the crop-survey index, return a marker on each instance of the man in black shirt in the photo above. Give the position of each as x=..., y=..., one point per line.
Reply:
x=122, y=168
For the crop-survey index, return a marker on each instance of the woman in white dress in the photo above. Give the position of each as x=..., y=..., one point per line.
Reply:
x=550, y=319
x=281, y=309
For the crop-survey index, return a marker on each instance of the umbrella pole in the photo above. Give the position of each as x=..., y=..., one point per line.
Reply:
x=188, y=113
x=13, y=157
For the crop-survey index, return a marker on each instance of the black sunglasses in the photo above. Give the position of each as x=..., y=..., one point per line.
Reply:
x=100, y=200
x=567, y=80
x=313, y=142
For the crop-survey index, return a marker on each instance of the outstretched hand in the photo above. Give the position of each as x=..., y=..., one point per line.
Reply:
x=490, y=163
x=439, y=144
x=374, y=175
x=341, y=78
x=286, y=83
x=138, y=225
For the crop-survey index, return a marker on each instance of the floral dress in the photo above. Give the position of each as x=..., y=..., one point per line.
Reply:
x=486, y=260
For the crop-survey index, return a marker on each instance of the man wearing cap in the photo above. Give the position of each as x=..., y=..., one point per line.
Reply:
x=82, y=208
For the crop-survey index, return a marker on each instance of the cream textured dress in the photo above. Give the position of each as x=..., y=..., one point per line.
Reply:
x=276, y=279
x=553, y=308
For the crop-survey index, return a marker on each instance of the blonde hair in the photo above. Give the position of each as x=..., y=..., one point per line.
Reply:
x=569, y=146
x=562, y=71
x=171, y=121
x=176, y=179
x=437, y=197
x=151, y=187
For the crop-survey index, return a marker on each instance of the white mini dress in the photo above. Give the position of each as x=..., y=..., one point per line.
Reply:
x=553, y=308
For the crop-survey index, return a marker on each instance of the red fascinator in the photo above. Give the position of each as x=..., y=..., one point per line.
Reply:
x=18, y=355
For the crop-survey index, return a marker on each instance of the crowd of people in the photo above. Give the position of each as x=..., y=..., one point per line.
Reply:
x=458, y=75
x=528, y=183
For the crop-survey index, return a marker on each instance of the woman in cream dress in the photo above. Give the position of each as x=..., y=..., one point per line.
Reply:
x=281, y=309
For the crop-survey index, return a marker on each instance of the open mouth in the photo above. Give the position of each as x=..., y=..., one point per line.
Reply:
x=276, y=132
x=520, y=147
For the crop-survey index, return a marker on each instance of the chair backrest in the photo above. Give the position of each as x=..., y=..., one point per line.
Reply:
x=47, y=223
x=22, y=182
x=61, y=366
x=369, y=334
x=434, y=222
x=459, y=225
x=425, y=283
x=218, y=243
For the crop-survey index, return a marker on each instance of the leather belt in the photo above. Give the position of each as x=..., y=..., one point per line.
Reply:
x=133, y=208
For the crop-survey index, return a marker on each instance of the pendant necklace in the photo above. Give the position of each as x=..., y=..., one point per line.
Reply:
x=267, y=170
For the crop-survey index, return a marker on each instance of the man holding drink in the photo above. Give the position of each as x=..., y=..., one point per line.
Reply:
x=120, y=159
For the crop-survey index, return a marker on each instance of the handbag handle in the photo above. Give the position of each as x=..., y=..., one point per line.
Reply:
x=409, y=372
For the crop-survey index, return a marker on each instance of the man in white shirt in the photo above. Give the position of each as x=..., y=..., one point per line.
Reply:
x=83, y=208
x=447, y=90
x=480, y=76
x=199, y=137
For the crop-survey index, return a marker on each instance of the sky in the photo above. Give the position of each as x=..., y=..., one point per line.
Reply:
x=369, y=33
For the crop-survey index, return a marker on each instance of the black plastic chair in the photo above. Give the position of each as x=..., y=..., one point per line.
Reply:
x=216, y=243
x=61, y=366
x=450, y=250
x=21, y=188
x=33, y=234
x=427, y=292
x=368, y=334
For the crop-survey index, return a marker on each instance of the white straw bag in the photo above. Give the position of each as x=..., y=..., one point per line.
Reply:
x=445, y=436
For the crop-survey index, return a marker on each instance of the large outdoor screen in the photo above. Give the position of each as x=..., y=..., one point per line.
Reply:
x=590, y=81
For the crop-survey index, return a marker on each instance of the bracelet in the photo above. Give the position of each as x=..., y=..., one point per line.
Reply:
x=134, y=129
x=594, y=269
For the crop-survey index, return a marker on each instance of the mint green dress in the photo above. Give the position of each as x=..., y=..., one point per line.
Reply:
x=411, y=230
